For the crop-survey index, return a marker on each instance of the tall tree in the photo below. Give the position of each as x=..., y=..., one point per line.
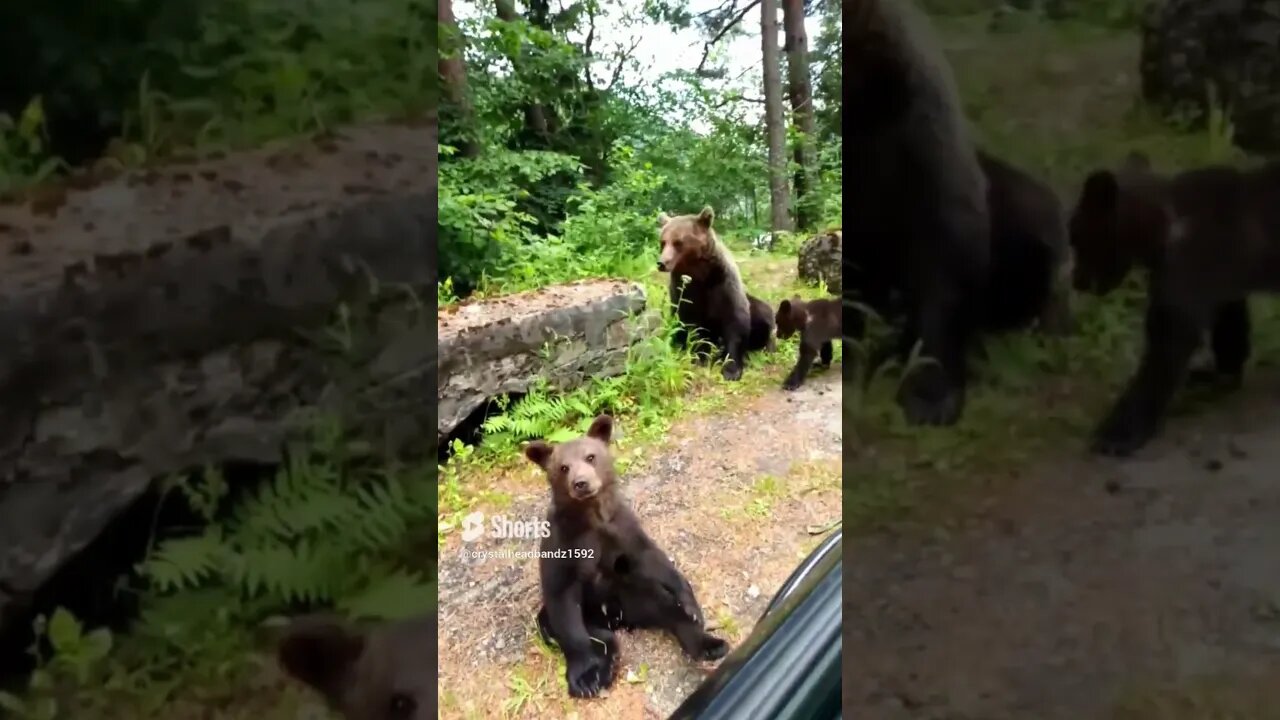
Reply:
x=774, y=119
x=535, y=113
x=826, y=64
x=801, y=94
x=453, y=75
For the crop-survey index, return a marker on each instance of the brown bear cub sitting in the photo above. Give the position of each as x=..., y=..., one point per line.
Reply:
x=600, y=571
x=384, y=673
x=1208, y=237
x=818, y=322
x=713, y=304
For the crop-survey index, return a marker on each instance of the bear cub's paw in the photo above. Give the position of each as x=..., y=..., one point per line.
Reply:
x=712, y=648
x=587, y=679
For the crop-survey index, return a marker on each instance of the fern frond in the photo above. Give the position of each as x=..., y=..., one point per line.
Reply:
x=382, y=522
x=398, y=595
x=290, y=575
x=182, y=563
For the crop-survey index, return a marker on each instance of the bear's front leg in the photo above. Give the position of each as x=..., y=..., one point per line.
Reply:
x=735, y=352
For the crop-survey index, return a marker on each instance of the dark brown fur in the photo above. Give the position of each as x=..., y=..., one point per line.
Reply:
x=713, y=303
x=906, y=138
x=384, y=673
x=818, y=322
x=1030, y=263
x=613, y=575
x=1030, y=253
x=1209, y=238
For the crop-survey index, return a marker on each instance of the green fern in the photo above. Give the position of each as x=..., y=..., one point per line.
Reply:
x=397, y=595
x=317, y=533
x=185, y=562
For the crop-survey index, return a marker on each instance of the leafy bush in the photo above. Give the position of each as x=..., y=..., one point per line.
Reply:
x=171, y=76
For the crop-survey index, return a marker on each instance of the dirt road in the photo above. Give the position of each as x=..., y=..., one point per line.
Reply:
x=1140, y=589
x=731, y=497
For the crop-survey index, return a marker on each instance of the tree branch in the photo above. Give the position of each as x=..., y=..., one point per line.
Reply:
x=706, y=48
x=622, y=60
x=737, y=98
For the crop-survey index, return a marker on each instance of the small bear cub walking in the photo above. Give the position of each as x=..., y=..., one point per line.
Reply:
x=600, y=571
x=818, y=322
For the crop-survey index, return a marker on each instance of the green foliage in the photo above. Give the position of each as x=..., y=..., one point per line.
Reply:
x=23, y=147
x=1110, y=13
x=318, y=533
x=326, y=531
x=206, y=74
x=533, y=208
x=78, y=659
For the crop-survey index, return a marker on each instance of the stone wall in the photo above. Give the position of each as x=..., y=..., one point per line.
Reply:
x=563, y=333
x=162, y=319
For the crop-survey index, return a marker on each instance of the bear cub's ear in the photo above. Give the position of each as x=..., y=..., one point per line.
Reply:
x=538, y=452
x=663, y=219
x=322, y=653
x=601, y=429
x=706, y=217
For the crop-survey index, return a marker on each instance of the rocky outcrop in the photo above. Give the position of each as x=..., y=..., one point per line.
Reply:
x=819, y=259
x=565, y=334
x=1189, y=46
x=165, y=319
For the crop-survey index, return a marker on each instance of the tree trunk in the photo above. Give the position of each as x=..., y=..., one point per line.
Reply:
x=453, y=75
x=774, y=118
x=801, y=93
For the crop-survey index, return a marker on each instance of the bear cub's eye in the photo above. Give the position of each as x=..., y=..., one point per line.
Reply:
x=591, y=458
x=402, y=706
x=564, y=468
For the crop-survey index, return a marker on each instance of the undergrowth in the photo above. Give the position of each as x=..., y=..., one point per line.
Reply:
x=220, y=76
x=327, y=531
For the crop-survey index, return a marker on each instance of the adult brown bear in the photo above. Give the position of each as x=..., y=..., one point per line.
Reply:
x=916, y=226
x=707, y=292
x=944, y=239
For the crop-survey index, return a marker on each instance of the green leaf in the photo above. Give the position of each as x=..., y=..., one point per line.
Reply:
x=32, y=119
x=64, y=630
x=40, y=680
x=12, y=703
x=562, y=435
x=399, y=595
x=97, y=644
